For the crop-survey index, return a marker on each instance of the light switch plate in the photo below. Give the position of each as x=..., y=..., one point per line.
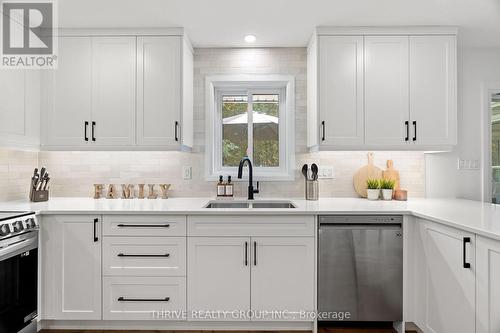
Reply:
x=326, y=172
x=464, y=164
x=187, y=172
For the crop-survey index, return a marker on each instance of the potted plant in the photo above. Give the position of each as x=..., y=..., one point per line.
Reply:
x=373, y=189
x=387, y=186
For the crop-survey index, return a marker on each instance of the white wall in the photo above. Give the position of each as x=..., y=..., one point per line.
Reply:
x=475, y=66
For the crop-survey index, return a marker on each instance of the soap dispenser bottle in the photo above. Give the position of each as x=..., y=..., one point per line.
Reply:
x=221, y=187
x=229, y=187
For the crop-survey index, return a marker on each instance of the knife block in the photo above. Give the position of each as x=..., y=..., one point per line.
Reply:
x=39, y=196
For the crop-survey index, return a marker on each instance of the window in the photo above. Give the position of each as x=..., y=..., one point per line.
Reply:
x=250, y=118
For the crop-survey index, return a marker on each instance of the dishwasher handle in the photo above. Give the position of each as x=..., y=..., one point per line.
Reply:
x=359, y=226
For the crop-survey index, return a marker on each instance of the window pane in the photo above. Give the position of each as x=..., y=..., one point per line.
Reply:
x=266, y=130
x=495, y=147
x=234, y=129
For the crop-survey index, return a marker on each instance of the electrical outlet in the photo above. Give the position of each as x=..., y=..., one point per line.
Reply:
x=187, y=172
x=325, y=172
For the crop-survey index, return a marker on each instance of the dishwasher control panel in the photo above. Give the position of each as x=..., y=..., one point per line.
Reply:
x=361, y=219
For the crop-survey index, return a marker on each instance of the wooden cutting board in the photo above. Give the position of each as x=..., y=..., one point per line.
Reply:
x=391, y=173
x=369, y=171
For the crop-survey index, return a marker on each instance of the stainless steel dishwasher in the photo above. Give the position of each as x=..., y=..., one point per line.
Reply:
x=360, y=268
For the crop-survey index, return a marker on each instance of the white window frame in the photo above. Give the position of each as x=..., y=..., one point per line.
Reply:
x=284, y=85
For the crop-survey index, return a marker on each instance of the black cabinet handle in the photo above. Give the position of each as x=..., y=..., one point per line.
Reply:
x=85, y=137
x=176, y=131
x=415, y=131
x=246, y=253
x=466, y=240
x=407, y=124
x=323, y=130
x=255, y=253
x=93, y=130
x=166, y=255
x=95, y=230
x=123, y=299
x=143, y=225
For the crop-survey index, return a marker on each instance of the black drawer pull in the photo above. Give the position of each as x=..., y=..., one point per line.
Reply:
x=143, y=225
x=85, y=137
x=123, y=299
x=324, y=130
x=407, y=124
x=166, y=255
x=466, y=240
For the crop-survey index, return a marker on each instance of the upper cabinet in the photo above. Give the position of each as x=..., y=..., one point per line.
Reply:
x=19, y=110
x=382, y=88
x=118, y=91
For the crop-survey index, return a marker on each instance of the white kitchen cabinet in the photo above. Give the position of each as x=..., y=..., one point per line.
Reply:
x=218, y=274
x=487, y=286
x=144, y=298
x=144, y=256
x=20, y=108
x=433, y=90
x=71, y=269
x=444, y=278
x=158, y=90
x=382, y=88
x=282, y=275
x=67, y=108
x=117, y=90
x=341, y=90
x=113, y=91
x=386, y=90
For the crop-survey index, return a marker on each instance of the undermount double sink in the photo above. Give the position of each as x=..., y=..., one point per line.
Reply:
x=251, y=204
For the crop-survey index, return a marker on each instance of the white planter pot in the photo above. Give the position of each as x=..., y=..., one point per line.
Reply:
x=386, y=194
x=373, y=194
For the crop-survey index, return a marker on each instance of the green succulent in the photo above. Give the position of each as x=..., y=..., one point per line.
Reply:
x=387, y=184
x=372, y=184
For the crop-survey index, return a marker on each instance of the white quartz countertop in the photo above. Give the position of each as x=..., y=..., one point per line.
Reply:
x=474, y=216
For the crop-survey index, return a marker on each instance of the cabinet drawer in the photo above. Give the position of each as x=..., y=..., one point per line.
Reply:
x=144, y=225
x=138, y=298
x=256, y=225
x=144, y=256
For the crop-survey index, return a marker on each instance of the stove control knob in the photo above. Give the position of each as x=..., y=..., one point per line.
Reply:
x=4, y=229
x=30, y=223
x=18, y=226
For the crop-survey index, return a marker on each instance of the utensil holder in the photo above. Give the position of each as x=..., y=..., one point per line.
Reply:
x=39, y=195
x=312, y=190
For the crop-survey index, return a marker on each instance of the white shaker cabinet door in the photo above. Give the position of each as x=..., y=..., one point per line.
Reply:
x=113, y=91
x=386, y=90
x=159, y=90
x=341, y=90
x=487, y=285
x=218, y=274
x=283, y=275
x=67, y=94
x=449, y=292
x=433, y=91
x=71, y=267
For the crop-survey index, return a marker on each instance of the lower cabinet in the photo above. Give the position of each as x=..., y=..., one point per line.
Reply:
x=71, y=267
x=143, y=298
x=487, y=285
x=262, y=274
x=445, y=281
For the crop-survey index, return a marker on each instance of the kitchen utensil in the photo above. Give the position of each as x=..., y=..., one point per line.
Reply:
x=367, y=172
x=305, y=169
x=46, y=184
x=391, y=174
x=314, y=169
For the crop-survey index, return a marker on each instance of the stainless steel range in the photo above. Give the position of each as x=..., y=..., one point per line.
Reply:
x=18, y=272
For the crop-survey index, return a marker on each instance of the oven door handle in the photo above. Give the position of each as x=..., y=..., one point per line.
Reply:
x=15, y=247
